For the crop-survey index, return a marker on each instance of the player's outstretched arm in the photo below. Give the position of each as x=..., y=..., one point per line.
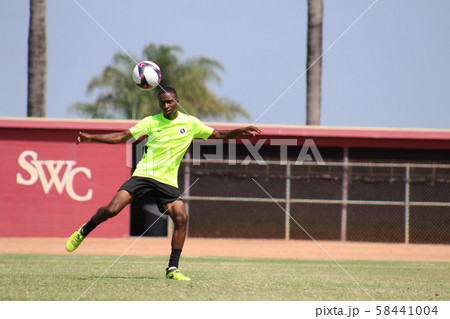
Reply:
x=229, y=134
x=110, y=138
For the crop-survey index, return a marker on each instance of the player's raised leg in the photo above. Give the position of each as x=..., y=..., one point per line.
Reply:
x=119, y=201
x=177, y=211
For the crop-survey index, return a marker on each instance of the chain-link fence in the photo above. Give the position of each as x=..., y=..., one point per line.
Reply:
x=338, y=201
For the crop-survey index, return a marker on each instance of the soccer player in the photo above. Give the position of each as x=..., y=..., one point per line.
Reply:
x=170, y=134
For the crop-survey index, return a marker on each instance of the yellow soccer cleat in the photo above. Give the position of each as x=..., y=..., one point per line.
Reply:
x=175, y=274
x=75, y=240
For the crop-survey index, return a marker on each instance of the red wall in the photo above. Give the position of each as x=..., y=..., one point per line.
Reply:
x=46, y=179
x=78, y=179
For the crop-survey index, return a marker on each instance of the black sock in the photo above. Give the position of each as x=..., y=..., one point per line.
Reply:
x=174, y=258
x=90, y=226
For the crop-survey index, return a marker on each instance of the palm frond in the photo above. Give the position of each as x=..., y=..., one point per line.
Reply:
x=119, y=97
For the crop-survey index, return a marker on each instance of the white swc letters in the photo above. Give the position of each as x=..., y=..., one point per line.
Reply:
x=35, y=168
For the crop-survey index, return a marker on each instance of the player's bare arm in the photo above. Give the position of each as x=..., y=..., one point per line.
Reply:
x=110, y=138
x=229, y=134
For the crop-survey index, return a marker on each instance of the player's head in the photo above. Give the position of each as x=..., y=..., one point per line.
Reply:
x=168, y=101
x=167, y=89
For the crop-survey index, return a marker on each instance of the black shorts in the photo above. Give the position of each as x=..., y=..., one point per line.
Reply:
x=161, y=193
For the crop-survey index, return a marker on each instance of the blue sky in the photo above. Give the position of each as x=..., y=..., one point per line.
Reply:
x=390, y=69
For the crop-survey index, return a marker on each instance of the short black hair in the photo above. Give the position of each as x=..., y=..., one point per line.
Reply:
x=167, y=89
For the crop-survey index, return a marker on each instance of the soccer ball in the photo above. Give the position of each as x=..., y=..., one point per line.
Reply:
x=147, y=75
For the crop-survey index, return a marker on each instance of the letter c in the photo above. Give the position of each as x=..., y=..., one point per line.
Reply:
x=69, y=184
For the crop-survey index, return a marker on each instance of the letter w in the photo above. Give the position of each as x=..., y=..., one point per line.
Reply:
x=54, y=174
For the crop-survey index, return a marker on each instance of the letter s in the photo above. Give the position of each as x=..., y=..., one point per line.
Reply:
x=28, y=167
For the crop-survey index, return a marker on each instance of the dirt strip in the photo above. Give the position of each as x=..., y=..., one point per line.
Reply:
x=297, y=249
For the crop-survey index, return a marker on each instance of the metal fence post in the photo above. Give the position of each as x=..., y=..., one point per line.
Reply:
x=344, y=196
x=407, y=180
x=287, y=220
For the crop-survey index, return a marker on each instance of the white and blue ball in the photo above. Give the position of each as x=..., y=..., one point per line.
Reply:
x=147, y=75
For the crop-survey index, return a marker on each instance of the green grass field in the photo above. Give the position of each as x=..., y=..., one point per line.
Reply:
x=60, y=277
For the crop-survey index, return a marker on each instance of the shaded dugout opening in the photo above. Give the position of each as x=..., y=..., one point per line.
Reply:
x=233, y=219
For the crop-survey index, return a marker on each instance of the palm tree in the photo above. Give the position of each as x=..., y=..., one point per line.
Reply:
x=119, y=97
x=314, y=62
x=37, y=59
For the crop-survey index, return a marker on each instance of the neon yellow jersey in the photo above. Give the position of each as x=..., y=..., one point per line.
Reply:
x=167, y=141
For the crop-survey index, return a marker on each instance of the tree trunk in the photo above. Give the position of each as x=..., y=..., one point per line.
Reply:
x=37, y=59
x=314, y=62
